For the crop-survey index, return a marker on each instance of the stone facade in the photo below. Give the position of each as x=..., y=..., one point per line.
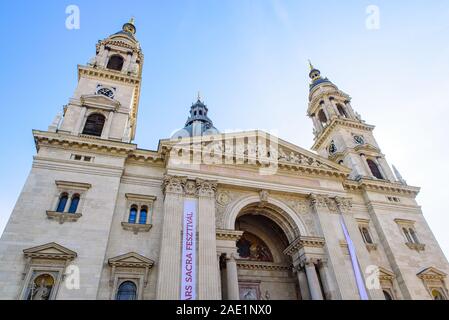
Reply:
x=99, y=218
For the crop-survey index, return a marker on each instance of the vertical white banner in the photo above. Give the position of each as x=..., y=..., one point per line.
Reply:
x=188, y=268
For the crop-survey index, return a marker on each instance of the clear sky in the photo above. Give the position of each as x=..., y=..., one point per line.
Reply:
x=249, y=60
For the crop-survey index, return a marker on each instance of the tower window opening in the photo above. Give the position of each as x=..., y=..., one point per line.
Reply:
x=374, y=169
x=74, y=203
x=115, y=63
x=132, y=214
x=342, y=111
x=94, y=125
x=322, y=116
x=62, y=202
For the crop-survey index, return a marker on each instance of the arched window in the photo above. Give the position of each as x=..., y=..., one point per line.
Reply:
x=143, y=215
x=115, y=62
x=342, y=111
x=132, y=214
x=94, y=124
x=74, y=203
x=127, y=291
x=366, y=235
x=413, y=235
x=62, y=202
x=374, y=169
x=437, y=295
x=322, y=116
x=407, y=235
x=387, y=295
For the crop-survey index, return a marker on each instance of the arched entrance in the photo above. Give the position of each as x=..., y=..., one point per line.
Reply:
x=264, y=272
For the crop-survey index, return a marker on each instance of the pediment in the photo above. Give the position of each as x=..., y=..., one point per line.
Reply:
x=131, y=259
x=385, y=274
x=100, y=101
x=278, y=151
x=367, y=147
x=431, y=273
x=50, y=250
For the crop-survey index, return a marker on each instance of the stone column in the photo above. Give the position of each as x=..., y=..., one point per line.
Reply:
x=219, y=276
x=365, y=164
x=313, y=281
x=350, y=110
x=232, y=278
x=325, y=212
x=127, y=62
x=107, y=126
x=303, y=284
x=334, y=107
x=328, y=286
x=385, y=169
x=77, y=129
x=105, y=57
x=208, y=286
x=169, y=279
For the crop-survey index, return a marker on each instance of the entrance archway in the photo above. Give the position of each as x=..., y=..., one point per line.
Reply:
x=264, y=272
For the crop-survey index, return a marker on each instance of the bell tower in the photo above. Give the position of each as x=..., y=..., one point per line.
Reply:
x=340, y=134
x=106, y=99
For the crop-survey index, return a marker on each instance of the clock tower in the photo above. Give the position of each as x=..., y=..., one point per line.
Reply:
x=106, y=99
x=340, y=134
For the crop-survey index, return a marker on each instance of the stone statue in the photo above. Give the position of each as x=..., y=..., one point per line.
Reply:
x=40, y=292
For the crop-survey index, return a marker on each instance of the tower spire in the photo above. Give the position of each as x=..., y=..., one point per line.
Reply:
x=311, y=65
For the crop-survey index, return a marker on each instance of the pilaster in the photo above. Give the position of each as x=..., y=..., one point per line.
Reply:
x=169, y=278
x=208, y=286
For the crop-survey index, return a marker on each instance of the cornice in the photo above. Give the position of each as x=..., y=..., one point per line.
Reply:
x=380, y=185
x=107, y=74
x=264, y=266
x=91, y=143
x=304, y=241
x=315, y=98
x=335, y=121
x=224, y=234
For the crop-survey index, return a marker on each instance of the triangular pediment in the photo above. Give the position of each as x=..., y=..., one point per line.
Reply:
x=285, y=154
x=385, y=274
x=131, y=259
x=100, y=101
x=50, y=250
x=367, y=147
x=431, y=273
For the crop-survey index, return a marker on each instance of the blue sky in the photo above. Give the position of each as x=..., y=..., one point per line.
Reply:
x=249, y=60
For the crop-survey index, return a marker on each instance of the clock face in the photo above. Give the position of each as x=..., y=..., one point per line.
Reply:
x=106, y=92
x=332, y=148
x=359, y=140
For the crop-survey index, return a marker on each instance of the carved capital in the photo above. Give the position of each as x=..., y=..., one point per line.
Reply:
x=206, y=188
x=317, y=201
x=331, y=204
x=190, y=188
x=344, y=204
x=173, y=184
